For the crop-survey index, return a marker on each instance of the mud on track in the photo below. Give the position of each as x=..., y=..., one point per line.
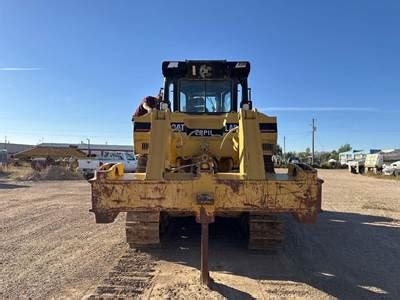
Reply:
x=51, y=247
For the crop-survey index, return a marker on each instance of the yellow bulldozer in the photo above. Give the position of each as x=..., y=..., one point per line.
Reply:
x=205, y=152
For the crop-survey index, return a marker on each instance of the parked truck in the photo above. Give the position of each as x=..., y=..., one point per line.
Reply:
x=364, y=161
x=356, y=166
x=376, y=162
x=90, y=165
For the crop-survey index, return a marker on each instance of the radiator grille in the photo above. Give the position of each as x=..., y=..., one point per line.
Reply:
x=268, y=147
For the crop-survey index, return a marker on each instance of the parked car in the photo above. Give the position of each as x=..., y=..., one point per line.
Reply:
x=90, y=165
x=393, y=169
x=294, y=160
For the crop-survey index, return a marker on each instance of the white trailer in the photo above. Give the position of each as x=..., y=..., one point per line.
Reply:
x=375, y=162
x=357, y=166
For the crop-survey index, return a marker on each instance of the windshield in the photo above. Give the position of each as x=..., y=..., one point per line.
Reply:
x=130, y=156
x=205, y=96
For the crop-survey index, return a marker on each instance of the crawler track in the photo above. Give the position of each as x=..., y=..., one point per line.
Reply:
x=266, y=232
x=143, y=229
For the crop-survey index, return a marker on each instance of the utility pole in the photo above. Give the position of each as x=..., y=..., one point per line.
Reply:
x=314, y=128
x=5, y=142
x=284, y=149
x=89, y=147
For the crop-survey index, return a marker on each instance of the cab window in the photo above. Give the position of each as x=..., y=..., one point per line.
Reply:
x=205, y=96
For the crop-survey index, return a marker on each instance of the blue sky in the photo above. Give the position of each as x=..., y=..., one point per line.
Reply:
x=71, y=70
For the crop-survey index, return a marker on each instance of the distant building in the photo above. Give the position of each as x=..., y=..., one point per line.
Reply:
x=50, y=153
x=61, y=149
x=94, y=149
x=13, y=149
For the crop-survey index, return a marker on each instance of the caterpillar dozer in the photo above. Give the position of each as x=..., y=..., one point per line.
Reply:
x=205, y=152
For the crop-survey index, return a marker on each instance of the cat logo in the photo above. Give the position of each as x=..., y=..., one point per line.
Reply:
x=178, y=127
x=205, y=71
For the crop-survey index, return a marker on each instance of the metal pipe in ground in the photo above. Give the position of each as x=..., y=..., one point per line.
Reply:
x=205, y=275
x=204, y=219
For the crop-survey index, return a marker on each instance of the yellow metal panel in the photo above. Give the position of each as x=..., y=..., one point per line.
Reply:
x=159, y=150
x=250, y=151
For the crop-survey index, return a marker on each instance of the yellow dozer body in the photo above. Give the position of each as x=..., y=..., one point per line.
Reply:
x=205, y=152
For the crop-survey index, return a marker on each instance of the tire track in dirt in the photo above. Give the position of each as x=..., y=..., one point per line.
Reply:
x=130, y=277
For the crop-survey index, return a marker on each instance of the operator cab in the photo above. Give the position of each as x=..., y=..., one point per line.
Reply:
x=206, y=87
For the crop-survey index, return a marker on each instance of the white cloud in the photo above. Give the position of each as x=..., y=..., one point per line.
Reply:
x=318, y=108
x=19, y=69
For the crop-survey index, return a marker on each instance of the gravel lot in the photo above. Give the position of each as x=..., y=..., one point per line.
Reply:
x=50, y=247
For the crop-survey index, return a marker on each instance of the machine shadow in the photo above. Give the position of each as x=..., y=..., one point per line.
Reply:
x=229, y=292
x=6, y=186
x=345, y=255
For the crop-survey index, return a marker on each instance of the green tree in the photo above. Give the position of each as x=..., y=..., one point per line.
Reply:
x=291, y=154
x=303, y=156
x=279, y=150
x=325, y=156
x=335, y=154
x=344, y=148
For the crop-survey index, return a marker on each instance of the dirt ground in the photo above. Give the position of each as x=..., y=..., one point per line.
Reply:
x=50, y=247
